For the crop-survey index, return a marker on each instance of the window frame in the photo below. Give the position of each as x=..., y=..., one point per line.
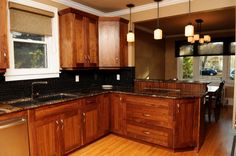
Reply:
x=52, y=70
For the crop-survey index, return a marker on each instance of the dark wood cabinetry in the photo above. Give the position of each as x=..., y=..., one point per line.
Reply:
x=3, y=36
x=55, y=130
x=113, y=47
x=90, y=120
x=118, y=114
x=104, y=114
x=78, y=39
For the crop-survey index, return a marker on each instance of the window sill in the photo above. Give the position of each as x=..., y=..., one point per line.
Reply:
x=31, y=76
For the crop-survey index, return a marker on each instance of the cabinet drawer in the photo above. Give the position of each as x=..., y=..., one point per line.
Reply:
x=157, y=113
x=56, y=109
x=157, y=136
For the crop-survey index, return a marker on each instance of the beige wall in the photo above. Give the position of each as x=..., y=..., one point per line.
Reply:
x=149, y=56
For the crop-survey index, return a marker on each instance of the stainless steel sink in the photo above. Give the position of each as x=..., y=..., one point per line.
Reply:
x=55, y=97
x=28, y=102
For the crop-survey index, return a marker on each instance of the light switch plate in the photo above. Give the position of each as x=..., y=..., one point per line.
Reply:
x=118, y=77
x=76, y=78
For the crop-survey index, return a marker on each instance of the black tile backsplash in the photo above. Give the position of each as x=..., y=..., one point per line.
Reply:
x=66, y=81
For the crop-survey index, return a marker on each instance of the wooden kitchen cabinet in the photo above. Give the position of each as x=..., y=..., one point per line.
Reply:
x=3, y=36
x=78, y=39
x=55, y=130
x=113, y=47
x=90, y=120
x=104, y=114
x=118, y=114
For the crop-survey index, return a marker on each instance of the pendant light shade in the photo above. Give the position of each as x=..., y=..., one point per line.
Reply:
x=196, y=37
x=201, y=40
x=189, y=29
x=190, y=39
x=207, y=38
x=130, y=35
x=158, y=32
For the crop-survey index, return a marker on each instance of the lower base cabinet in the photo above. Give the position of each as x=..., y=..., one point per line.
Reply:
x=55, y=130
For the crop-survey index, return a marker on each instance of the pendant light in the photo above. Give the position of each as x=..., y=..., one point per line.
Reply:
x=189, y=29
x=130, y=35
x=158, y=31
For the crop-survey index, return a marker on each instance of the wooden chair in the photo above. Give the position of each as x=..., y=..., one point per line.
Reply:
x=215, y=102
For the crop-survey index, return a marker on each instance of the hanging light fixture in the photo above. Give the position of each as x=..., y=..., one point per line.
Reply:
x=189, y=29
x=158, y=31
x=198, y=37
x=130, y=35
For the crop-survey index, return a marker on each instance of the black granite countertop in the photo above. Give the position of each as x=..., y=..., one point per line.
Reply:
x=174, y=81
x=27, y=103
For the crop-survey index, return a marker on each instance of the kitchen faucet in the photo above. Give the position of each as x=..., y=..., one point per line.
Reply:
x=33, y=95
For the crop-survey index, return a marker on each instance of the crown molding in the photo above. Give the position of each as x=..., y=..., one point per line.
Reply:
x=140, y=8
x=145, y=7
x=80, y=6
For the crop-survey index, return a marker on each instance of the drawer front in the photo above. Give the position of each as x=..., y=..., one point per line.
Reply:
x=160, y=136
x=150, y=112
x=56, y=109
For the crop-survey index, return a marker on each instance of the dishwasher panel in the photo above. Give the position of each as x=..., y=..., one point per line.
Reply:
x=14, y=137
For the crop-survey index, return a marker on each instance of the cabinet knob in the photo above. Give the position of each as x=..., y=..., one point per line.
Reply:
x=146, y=132
x=57, y=123
x=146, y=115
x=120, y=98
x=62, y=121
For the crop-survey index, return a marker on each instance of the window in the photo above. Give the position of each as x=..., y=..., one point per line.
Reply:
x=211, y=67
x=187, y=66
x=30, y=51
x=210, y=48
x=33, y=41
x=186, y=50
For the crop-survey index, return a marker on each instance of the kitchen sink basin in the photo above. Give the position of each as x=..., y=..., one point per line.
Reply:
x=28, y=102
x=54, y=97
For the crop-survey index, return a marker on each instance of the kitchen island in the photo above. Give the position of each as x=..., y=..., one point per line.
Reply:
x=167, y=117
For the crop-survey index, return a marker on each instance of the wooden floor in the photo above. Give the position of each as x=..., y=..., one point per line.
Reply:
x=218, y=142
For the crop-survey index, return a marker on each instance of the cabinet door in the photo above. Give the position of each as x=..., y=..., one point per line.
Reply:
x=123, y=44
x=118, y=117
x=46, y=137
x=184, y=122
x=80, y=41
x=71, y=130
x=90, y=120
x=104, y=114
x=3, y=36
x=92, y=43
x=109, y=44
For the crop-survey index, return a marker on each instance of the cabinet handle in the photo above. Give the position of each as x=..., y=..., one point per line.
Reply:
x=62, y=124
x=84, y=115
x=117, y=59
x=146, y=115
x=57, y=123
x=5, y=55
x=146, y=132
x=178, y=108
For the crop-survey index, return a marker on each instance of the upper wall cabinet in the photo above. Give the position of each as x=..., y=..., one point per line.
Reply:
x=3, y=36
x=113, y=47
x=78, y=39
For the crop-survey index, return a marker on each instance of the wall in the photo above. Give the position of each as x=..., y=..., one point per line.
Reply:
x=92, y=78
x=149, y=56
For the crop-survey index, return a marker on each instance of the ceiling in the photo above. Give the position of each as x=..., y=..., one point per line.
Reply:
x=223, y=19
x=111, y=5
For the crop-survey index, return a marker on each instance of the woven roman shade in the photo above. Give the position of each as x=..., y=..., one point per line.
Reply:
x=30, y=20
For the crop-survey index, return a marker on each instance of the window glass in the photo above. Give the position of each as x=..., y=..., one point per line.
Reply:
x=232, y=47
x=30, y=51
x=232, y=67
x=210, y=48
x=186, y=50
x=211, y=67
x=187, y=67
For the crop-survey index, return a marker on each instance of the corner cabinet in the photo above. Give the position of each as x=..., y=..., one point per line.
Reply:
x=55, y=130
x=3, y=36
x=78, y=39
x=113, y=47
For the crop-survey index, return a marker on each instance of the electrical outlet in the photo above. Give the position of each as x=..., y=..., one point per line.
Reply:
x=118, y=77
x=76, y=78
